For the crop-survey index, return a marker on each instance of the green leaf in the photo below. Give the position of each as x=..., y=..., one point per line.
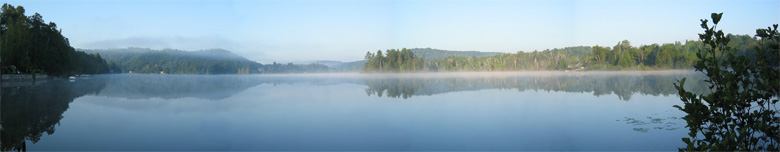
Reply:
x=687, y=140
x=678, y=107
x=716, y=17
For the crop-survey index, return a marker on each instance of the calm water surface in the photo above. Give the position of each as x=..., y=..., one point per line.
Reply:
x=463, y=111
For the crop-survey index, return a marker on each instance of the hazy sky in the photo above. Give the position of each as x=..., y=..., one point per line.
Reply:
x=287, y=31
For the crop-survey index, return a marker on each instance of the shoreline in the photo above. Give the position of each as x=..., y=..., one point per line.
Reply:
x=28, y=77
x=460, y=74
x=23, y=77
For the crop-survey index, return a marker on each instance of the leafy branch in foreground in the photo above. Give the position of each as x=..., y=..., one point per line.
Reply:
x=740, y=113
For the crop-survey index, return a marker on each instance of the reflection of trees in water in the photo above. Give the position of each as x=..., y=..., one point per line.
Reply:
x=144, y=86
x=211, y=87
x=622, y=85
x=29, y=111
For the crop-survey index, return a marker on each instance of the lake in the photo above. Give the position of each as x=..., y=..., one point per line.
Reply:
x=430, y=111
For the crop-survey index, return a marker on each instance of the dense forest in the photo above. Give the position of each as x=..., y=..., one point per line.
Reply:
x=622, y=56
x=214, y=61
x=30, y=45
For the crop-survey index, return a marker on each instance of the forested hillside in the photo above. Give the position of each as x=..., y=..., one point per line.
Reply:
x=429, y=53
x=214, y=61
x=30, y=45
x=622, y=56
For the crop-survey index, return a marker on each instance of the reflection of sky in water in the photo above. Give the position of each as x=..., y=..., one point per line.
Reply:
x=340, y=116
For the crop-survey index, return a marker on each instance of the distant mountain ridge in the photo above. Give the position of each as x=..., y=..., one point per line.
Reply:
x=338, y=66
x=430, y=53
x=172, y=61
x=119, y=55
x=220, y=61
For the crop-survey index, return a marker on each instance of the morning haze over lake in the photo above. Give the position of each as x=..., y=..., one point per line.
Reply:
x=311, y=75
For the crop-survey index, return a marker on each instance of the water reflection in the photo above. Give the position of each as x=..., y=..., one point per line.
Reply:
x=652, y=122
x=401, y=86
x=143, y=86
x=29, y=110
x=622, y=85
x=210, y=87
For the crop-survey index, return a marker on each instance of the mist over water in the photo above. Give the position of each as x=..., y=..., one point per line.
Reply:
x=538, y=110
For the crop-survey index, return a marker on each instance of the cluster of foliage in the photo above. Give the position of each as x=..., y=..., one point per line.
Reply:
x=394, y=61
x=29, y=45
x=740, y=113
x=622, y=56
x=215, y=61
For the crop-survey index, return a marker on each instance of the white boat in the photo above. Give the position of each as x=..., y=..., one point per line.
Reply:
x=71, y=78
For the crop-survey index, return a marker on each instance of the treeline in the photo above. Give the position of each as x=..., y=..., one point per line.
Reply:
x=215, y=61
x=622, y=56
x=30, y=45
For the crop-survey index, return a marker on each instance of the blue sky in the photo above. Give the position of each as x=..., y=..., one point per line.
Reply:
x=305, y=30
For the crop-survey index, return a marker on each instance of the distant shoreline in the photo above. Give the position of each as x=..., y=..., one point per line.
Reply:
x=23, y=77
x=480, y=73
x=28, y=77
